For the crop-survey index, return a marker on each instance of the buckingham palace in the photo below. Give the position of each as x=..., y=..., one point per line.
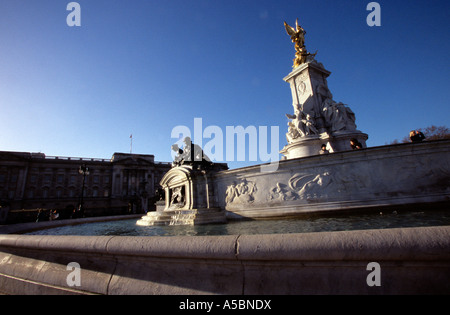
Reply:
x=126, y=183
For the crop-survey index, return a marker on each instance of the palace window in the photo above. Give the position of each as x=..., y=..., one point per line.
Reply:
x=33, y=178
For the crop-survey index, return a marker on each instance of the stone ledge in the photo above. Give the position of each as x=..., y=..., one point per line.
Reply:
x=413, y=261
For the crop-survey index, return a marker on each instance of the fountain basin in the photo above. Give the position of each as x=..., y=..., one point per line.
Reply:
x=413, y=260
x=404, y=175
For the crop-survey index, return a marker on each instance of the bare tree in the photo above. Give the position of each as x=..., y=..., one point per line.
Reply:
x=436, y=133
x=430, y=133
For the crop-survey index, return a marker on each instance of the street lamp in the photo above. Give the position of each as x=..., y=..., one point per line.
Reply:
x=83, y=170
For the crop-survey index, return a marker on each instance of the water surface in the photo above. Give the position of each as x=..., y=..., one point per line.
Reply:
x=297, y=225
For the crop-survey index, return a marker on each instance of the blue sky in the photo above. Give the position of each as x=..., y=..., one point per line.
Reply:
x=145, y=67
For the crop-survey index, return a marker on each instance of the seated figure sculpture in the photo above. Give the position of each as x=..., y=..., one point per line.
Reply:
x=191, y=154
x=301, y=125
x=337, y=116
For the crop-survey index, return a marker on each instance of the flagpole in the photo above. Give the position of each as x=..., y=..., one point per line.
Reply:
x=131, y=143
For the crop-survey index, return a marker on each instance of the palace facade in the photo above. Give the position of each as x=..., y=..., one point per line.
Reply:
x=126, y=183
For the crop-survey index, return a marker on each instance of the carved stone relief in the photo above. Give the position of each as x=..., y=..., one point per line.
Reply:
x=177, y=199
x=241, y=193
x=304, y=187
x=301, y=88
x=282, y=193
x=348, y=181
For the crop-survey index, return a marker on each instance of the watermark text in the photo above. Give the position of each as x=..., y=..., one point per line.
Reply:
x=374, y=17
x=74, y=17
x=232, y=144
x=374, y=277
x=74, y=277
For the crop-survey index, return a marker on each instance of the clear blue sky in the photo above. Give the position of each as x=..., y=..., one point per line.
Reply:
x=144, y=67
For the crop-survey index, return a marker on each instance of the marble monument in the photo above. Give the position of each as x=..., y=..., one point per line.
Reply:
x=317, y=118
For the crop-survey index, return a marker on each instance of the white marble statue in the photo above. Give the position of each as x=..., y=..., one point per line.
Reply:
x=302, y=125
x=292, y=133
x=337, y=116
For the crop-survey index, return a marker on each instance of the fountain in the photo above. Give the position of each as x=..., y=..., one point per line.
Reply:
x=351, y=177
x=189, y=192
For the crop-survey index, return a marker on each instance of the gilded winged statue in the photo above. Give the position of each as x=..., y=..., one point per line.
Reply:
x=297, y=35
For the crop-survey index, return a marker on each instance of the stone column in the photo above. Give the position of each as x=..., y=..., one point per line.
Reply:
x=304, y=82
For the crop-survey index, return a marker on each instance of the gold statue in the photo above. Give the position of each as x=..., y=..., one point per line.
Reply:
x=298, y=38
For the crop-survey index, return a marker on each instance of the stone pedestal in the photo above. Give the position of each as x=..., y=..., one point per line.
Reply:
x=305, y=82
x=317, y=118
x=341, y=141
x=303, y=147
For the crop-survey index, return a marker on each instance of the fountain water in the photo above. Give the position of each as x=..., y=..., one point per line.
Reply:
x=182, y=217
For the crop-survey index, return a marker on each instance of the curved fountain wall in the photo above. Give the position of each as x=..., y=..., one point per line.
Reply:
x=404, y=175
x=411, y=260
x=396, y=175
